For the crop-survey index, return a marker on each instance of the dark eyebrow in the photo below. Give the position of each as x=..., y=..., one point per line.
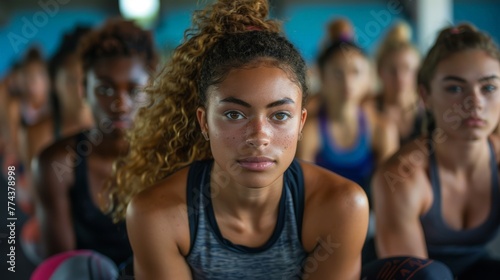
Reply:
x=104, y=78
x=234, y=100
x=283, y=101
x=487, y=78
x=458, y=79
x=107, y=79
x=454, y=78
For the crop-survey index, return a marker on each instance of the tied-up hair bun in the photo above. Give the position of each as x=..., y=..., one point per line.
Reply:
x=340, y=30
x=234, y=16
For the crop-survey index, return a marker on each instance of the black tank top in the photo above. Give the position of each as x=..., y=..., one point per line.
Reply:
x=93, y=229
x=459, y=248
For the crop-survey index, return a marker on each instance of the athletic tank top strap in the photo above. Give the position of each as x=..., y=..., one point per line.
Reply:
x=295, y=180
x=457, y=248
x=196, y=178
x=211, y=256
x=93, y=229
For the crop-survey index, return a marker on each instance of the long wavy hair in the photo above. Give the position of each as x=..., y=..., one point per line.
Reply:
x=166, y=135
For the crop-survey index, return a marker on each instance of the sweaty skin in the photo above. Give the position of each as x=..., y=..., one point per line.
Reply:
x=253, y=119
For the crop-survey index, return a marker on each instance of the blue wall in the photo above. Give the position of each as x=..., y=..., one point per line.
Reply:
x=304, y=24
x=29, y=28
x=483, y=15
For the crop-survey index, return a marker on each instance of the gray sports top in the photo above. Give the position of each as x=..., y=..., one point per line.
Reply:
x=213, y=257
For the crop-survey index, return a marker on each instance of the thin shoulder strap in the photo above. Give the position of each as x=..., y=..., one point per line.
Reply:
x=296, y=186
x=434, y=176
x=494, y=175
x=196, y=177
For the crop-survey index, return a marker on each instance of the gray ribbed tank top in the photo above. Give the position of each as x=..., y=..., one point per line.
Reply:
x=213, y=257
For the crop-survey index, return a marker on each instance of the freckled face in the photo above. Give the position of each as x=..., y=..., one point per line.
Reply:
x=253, y=119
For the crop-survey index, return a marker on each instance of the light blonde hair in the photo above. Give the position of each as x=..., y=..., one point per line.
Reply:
x=397, y=39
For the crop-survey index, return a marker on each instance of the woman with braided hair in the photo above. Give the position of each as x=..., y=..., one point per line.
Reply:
x=210, y=188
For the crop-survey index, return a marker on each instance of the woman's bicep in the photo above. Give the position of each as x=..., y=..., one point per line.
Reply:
x=337, y=254
x=397, y=209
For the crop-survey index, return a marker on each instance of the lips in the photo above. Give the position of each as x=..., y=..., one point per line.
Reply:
x=256, y=163
x=474, y=122
x=121, y=123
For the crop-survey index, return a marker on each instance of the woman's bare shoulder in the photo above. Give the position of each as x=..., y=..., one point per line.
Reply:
x=323, y=187
x=166, y=195
x=411, y=159
x=495, y=140
x=335, y=207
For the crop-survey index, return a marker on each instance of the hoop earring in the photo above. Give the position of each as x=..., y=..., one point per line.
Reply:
x=205, y=135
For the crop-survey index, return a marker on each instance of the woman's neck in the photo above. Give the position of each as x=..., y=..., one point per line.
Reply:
x=247, y=203
x=462, y=155
x=400, y=100
x=343, y=113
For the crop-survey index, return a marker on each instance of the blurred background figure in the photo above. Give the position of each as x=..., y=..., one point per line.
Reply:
x=69, y=114
x=446, y=207
x=10, y=90
x=117, y=60
x=53, y=105
x=36, y=86
x=341, y=133
x=70, y=110
x=397, y=63
x=34, y=109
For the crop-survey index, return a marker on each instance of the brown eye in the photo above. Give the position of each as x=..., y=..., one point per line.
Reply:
x=281, y=116
x=234, y=115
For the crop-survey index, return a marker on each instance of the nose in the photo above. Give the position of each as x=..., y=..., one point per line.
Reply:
x=123, y=102
x=475, y=100
x=258, y=133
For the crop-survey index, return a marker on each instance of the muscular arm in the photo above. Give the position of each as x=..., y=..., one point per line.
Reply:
x=398, y=204
x=52, y=176
x=155, y=223
x=337, y=213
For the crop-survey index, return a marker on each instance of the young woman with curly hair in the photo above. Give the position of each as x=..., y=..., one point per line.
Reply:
x=210, y=188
